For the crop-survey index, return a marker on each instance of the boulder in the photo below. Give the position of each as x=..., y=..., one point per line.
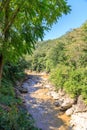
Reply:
x=79, y=121
x=57, y=104
x=68, y=102
x=80, y=106
x=70, y=111
x=23, y=90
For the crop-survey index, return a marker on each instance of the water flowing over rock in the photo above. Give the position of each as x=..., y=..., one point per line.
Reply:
x=44, y=104
x=41, y=105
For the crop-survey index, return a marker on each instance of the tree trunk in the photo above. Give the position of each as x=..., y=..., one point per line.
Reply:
x=1, y=67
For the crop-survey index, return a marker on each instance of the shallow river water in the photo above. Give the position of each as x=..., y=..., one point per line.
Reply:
x=41, y=105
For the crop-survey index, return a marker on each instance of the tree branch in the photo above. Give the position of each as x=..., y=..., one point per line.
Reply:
x=11, y=20
x=4, y=4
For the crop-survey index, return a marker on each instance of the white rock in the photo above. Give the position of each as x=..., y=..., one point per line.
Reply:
x=70, y=111
x=79, y=121
x=47, y=86
x=54, y=95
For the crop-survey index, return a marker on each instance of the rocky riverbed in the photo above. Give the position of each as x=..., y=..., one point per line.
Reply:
x=52, y=110
x=41, y=105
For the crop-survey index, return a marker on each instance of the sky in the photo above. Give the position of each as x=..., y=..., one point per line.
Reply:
x=74, y=19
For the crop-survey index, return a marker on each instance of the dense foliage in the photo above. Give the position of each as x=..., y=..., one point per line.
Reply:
x=22, y=23
x=13, y=115
x=66, y=60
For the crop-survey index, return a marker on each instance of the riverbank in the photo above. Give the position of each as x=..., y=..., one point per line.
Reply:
x=46, y=105
x=41, y=105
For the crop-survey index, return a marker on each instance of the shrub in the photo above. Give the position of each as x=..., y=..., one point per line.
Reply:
x=13, y=72
x=16, y=120
x=73, y=81
x=77, y=79
x=59, y=76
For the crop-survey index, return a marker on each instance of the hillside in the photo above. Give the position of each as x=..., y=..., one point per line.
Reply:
x=66, y=60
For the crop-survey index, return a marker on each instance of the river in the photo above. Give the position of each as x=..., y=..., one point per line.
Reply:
x=41, y=105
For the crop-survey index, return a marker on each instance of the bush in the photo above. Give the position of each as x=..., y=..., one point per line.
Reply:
x=77, y=79
x=13, y=72
x=59, y=76
x=73, y=81
x=16, y=120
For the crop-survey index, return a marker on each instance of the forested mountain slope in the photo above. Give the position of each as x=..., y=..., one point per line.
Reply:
x=66, y=60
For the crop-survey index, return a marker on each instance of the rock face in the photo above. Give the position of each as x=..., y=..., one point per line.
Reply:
x=79, y=121
x=80, y=106
x=78, y=115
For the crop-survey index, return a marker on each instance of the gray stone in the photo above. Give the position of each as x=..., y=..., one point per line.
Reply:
x=68, y=102
x=23, y=90
x=81, y=106
x=64, y=108
x=25, y=85
x=57, y=104
x=60, y=101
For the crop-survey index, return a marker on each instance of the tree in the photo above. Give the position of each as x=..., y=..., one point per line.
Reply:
x=56, y=55
x=23, y=22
